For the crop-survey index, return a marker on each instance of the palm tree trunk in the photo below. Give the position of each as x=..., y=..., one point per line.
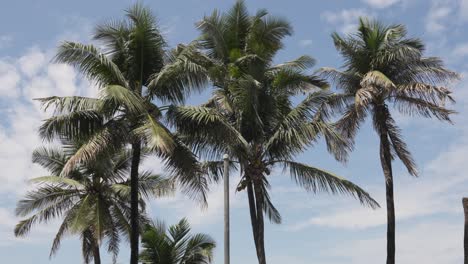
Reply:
x=256, y=217
x=386, y=162
x=96, y=254
x=260, y=227
x=253, y=210
x=135, y=230
x=465, y=242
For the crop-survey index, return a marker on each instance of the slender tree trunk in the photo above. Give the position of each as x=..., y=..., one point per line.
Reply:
x=134, y=216
x=260, y=227
x=96, y=254
x=253, y=210
x=386, y=162
x=465, y=242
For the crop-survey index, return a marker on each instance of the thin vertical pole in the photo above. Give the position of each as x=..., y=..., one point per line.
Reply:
x=465, y=240
x=226, y=209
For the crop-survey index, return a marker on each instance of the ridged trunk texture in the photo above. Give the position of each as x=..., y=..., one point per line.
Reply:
x=135, y=230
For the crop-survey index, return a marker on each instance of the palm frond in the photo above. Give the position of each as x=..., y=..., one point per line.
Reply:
x=89, y=61
x=317, y=180
x=155, y=135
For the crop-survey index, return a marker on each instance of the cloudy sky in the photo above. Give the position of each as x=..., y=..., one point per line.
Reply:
x=316, y=228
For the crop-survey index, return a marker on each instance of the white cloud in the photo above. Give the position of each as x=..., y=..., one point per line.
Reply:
x=431, y=243
x=436, y=19
x=32, y=62
x=446, y=14
x=345, y=20
x=9, y=79
x=31, y=76
x=381, y=3
x=8, y=221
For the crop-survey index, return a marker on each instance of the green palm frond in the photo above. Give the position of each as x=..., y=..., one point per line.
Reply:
x=317, y=180
x=187, y=72
x=122, y=97
x=89, y=61
x=302, y=63
x=155, y=135
x=175, y=245
x=52, y=159
x=77, y=124
x=67, y=182
x=69, y=104
x=420, y=107
x=206, y=126
x=107, y=139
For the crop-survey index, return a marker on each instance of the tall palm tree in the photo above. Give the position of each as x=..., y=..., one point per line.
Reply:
x=251, y=116
x=175, y=245
x=382, y=68
x=93, y=200
x=124, y=115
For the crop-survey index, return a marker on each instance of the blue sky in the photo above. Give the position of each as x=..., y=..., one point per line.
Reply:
x=316, y=228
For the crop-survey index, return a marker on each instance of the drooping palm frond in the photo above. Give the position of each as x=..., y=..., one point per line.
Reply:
x=155, y=135
x=89, y=61
x=77, y=124
x=187, y=71
x=209, y=130
x=317, y=180
x=120, y=96
x=108, y=139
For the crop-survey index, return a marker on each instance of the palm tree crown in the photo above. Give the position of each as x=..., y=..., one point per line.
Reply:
x=175, y=245
x=93, y=200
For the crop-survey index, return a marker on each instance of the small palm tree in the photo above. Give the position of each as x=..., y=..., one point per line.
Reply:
x=251, y=115
x=93, y=201
x=383, y=67
x=124, y=115
x=175, y=245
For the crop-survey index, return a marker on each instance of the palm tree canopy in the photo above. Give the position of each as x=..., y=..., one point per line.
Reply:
x=175, y=245
x=92, y=200
x=251, y=115
x=133, y=50
x=382, y=66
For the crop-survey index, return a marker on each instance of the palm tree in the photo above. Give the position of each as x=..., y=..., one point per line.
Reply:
x=93, y=200
x=251, y=116
x=175, y=245
x=124, y=114
x=383, y=67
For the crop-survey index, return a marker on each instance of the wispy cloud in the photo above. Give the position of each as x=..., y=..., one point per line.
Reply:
x=381, y=3
x=438, y=15
x=346, y=20
x=432, y=243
